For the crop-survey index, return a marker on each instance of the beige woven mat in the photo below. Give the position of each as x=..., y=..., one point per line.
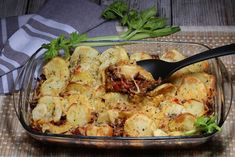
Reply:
x=14, y=141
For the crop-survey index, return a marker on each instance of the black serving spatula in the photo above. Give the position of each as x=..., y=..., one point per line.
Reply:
x=161, y=69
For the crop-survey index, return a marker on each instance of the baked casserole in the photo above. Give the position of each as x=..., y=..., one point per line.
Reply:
x=108, y=94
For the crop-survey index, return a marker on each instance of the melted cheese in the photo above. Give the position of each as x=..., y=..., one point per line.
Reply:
x=73, y=98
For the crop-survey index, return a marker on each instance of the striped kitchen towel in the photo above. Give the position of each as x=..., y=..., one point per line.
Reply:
x=22, y=36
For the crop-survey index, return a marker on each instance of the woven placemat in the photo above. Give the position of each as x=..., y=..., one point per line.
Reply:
x=14, y=141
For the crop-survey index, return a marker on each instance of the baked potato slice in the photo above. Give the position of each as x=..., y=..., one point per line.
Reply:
x=40, y=112
x=83, y=54
x=102, y=130
x=195, y=108
x=85, y=59
x=108, y=116
x=77, y=88
x=56, y=67
x=199, y=67
x=192, y=88
x=57, y=129
x=140, y=56
x=149, y=110
x=183, y=122
x=208, y=80
x=114, y=98
x=49, y=109
x=74, y=99
x=53, y=86
x=83, y=77
x=167, y=89
x=78, y=115
x=139, y=125
x=172, y=56
x=171, y=108
x=112, y=56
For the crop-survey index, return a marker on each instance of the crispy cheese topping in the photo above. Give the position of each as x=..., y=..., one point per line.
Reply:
x=107, y=94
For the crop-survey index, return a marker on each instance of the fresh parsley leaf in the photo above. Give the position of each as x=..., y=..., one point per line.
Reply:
x=155, y=23
x=130, y=18
x=148, y=13
x=207, y=125
x=142, y=24
x=124, y=20
x=133, y=14
x=52, y=50
x=136, y=23
x=204, y=125
x=76, y=38
x=116, y=10
x=62, y=43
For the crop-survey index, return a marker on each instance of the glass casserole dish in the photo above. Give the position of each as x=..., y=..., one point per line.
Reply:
x=27, y=80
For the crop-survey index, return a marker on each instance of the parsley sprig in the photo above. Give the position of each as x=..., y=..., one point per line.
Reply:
x=140, y=24
x=61, y=43
x=204, y=125
x=116, y=10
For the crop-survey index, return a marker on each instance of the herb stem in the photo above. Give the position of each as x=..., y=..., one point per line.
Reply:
x=114, y=37
x=132, y=34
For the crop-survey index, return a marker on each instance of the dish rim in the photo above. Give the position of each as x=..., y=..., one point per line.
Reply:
x=158, y=138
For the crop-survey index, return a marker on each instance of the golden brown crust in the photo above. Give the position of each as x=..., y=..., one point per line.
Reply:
x=80, y=96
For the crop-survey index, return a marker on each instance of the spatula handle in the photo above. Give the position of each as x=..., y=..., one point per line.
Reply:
x=212, y=53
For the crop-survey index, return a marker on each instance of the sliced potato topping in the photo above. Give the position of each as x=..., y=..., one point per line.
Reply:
x=194, y=107
x=83, y=54
x=139, y=125
x=172, y=108
x=49, y=109
x=112, y=56
x=108, y=94
x=83, y=77
x=77, y=88
x=78, y=115
x=52, y=87
x=165, y=89
x=192, y=88
x=57, y=129
x=186, y=121
x=199, y=67
x=57, y=67
x=208, y=80
x=103, y=130
x=172, y=56
x=140, y=56
x=40, y=112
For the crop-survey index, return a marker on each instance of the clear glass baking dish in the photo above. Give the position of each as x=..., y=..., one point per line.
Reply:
x=26, y=83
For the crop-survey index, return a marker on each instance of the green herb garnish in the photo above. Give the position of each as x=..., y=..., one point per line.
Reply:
x=141, y=25
x=204, y=125
x=115, y=11
x=62, y=43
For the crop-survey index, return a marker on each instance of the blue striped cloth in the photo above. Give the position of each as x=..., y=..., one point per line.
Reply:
x=21, y=36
